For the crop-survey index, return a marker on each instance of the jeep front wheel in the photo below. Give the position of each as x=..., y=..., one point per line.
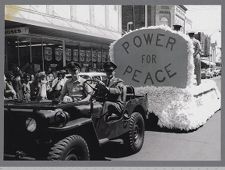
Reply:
x=70, y=148
x=134, y=139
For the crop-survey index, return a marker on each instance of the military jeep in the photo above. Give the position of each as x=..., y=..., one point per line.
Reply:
x=49, y=130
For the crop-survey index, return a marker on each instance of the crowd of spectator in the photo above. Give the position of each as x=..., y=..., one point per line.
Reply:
x=33, y=87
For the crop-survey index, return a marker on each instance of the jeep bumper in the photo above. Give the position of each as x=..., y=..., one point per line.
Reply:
x=19, y=155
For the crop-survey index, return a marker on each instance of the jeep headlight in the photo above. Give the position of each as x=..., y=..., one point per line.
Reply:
x=31, y=124
x=61, y=116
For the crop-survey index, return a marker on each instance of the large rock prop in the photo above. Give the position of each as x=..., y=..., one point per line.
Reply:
x=158, y=62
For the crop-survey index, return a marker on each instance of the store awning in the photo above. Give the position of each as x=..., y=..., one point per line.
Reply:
x=208, y=62
x=57, y=26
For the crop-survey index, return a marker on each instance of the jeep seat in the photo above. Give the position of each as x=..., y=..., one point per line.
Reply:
x=128, y=93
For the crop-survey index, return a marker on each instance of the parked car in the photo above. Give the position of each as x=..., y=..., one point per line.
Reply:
x=93, y=75
x=203, y=73
x=216, y=71
x=209, y=73
x=71, y=131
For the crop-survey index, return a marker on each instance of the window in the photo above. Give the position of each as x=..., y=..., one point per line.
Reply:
x=60, y=10
x=99, y=15
x=81, y=13
x=113, y=17
x=164, y=21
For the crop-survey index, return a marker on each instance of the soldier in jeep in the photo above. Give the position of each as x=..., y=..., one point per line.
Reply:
x=73, y=89
x=113, y=102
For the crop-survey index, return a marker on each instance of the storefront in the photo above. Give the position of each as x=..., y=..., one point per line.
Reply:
x=36, y=49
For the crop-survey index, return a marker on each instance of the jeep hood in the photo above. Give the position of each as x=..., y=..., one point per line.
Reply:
x=38, y=105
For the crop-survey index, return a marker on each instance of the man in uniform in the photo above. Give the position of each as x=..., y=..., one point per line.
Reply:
x=177, y=27
x=73, y=87
x=113, y=104
x=196, y=56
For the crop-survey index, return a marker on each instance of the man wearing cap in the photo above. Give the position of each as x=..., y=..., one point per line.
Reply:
x=177, y=27
x=73, y=87
x=113, y=103
x=196, y=56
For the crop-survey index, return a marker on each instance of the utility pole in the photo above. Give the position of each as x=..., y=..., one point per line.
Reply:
x=146, y=15
x=133, y=16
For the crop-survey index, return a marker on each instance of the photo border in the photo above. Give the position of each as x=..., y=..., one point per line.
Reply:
x=110, y=163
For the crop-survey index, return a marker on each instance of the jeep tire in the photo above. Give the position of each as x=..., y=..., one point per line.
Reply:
x=70, y=148
x=134, y=139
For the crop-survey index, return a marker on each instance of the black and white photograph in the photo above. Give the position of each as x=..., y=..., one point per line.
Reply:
x=112, y=82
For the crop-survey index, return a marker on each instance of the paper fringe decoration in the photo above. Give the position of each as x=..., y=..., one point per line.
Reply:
x=176, y=108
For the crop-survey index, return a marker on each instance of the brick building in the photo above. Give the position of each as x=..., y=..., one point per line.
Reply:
x=156, y=15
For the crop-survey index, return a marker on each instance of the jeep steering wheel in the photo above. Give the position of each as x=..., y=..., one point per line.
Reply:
x=99, y=88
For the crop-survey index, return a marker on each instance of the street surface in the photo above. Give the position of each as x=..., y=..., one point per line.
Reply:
x=203, y=144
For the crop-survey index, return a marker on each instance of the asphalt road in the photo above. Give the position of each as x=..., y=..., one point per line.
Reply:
x=203, y=144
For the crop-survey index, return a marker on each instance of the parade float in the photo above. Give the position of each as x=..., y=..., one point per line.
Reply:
x=158, y=62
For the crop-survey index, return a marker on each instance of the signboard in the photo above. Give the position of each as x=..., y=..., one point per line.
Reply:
x=99, y=56
x=94, y=55
x=17, y=31
x=75, y=55
x=152, y=56
x=68, y=54
x=58, y=54
x=82, y=55
x=48, y=53
x=88, y=55
x=104, y=56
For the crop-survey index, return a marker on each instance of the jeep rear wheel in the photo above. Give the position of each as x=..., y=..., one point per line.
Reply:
x=70, y=148
x=134, y=139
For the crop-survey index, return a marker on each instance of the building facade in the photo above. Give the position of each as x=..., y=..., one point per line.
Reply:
x=205, y=44
x=150, y=15
x=41, y=36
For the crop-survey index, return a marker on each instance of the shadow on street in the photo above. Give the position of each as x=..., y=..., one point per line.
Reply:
x=151, y=125
x=115, y=149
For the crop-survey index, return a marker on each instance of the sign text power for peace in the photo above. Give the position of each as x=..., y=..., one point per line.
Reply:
x=162, y=73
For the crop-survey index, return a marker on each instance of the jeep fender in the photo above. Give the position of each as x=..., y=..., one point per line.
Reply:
x=81, y=126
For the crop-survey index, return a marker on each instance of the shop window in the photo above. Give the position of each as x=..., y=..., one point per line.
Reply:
x=36, y=54
x=24, y=49
x=52, y=54
x=11, y=52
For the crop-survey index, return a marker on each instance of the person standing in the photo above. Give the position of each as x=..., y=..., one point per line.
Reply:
x=17, y=83
x=9, y=92
x=57, y=86
x=43, y=86
x=26, y=87
x=196, y=56
x=177, y=27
